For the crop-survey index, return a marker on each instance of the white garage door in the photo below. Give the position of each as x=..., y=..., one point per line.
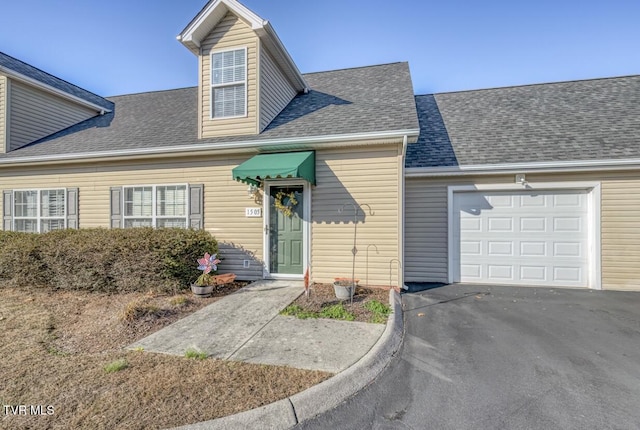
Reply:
x=527, y=238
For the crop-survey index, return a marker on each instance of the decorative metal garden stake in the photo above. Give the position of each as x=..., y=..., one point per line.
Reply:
x=354, y=250
x=367, y=263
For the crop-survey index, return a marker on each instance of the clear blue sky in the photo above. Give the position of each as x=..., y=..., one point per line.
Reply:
x=126, y=46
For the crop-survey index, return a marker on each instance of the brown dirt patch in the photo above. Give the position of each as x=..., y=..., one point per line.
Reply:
x=56, y=344
x=322, y=295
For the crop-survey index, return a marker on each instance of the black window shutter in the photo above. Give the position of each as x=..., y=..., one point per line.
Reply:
x=72, y=208
x=7, y=210
x=116, y=208
x=196, y=206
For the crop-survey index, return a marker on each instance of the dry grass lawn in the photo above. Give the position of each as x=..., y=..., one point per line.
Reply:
x=55, y=346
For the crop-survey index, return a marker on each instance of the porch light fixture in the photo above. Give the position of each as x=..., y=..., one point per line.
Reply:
x=521, y=179
x=251, y=191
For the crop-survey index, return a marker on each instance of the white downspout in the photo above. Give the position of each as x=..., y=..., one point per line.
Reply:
x=401, y=269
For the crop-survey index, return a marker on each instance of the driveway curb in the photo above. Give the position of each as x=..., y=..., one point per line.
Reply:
x=286, y=413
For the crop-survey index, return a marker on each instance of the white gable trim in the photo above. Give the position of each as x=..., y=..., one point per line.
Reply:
x=200, y=27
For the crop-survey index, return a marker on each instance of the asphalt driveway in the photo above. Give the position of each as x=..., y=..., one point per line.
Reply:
x=489, y=357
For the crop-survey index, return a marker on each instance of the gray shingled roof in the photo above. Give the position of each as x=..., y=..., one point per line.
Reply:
x=29, y=71
x=360, y=100
x=568, y=121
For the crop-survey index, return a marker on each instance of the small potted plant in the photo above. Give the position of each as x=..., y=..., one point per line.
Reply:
x=206, y=282
x=344, y=287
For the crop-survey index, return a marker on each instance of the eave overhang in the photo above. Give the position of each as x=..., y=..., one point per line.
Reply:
x=218, y=148
x=531, y=167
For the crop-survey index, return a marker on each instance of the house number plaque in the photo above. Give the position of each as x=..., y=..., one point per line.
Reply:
x=253, y=212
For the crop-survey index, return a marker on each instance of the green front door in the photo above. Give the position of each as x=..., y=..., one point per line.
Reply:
x=286, y=238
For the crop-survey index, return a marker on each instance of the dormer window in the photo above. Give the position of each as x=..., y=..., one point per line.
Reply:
x=229, y=83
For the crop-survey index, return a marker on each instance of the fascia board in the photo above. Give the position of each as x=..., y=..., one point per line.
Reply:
x=507, y=168
x=209, y=17
x=270, y=145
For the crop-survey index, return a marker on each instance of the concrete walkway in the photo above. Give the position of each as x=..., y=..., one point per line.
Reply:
x=246, y=326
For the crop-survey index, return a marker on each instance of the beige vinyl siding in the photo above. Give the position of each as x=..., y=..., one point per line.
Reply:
x=426, y=242
x=36, y=114
x=225, y=200
x=275, y=91
x=621, y=234
x=230, y=33
x=367, y=175
x=3, y=115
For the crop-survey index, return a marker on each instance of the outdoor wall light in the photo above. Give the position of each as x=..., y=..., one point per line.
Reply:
x=521, y=179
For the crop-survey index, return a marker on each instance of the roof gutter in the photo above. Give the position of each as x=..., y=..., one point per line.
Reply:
x=255, y=146
x=48, y=88
x=540, y=167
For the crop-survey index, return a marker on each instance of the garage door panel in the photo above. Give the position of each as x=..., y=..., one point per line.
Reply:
x=533, y=274
x=533, y=249
x=533, y=200
x=500, y=272
x=533, y=225
x=567, y=224
x=566, y=249
x=499, y=224
x=537, y=238
x=500, y=248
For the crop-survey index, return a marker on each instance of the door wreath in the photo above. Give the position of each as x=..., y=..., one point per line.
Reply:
x=286, y=202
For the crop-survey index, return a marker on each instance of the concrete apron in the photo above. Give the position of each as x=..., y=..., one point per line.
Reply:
x=245, y=326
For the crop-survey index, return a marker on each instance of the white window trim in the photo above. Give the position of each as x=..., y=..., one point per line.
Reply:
x=154, y=217
x=594, y=221
x=38, y=218
x=229, y=84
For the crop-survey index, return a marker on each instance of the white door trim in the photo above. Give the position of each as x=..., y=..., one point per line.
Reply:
x=306, y=229
x=594, y=222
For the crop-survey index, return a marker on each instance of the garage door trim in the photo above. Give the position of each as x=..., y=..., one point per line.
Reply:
x=593, y=208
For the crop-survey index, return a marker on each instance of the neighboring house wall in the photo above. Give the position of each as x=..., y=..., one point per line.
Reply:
x=34, y=114
x=426, y=238
x=275, y=91
x=230, y=33
x=3, y=114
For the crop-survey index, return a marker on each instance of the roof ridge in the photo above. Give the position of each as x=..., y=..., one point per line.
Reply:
x=532, y=85
x=153, y=92
x=356, y=67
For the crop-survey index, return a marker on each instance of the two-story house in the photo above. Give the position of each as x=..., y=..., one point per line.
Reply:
x=532, y=185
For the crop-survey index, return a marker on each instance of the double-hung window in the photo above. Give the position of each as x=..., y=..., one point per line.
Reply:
x=156, y=206
x=39, y=211
x=229, y=83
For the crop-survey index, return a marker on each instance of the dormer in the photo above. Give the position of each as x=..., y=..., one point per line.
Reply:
x=246, y=76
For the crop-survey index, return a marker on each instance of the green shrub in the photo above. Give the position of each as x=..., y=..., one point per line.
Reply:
x=101, y=260
x=337, y=312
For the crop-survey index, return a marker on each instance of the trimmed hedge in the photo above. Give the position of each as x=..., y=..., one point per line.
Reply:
x=101, y=260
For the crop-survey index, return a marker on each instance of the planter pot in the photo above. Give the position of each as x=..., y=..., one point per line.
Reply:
x=342, y=292
x=202, y=291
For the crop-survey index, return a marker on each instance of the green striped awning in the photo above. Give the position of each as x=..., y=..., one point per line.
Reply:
x=277, y=166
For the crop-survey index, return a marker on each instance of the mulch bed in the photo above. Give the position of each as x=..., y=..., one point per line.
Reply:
x=322, y=295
